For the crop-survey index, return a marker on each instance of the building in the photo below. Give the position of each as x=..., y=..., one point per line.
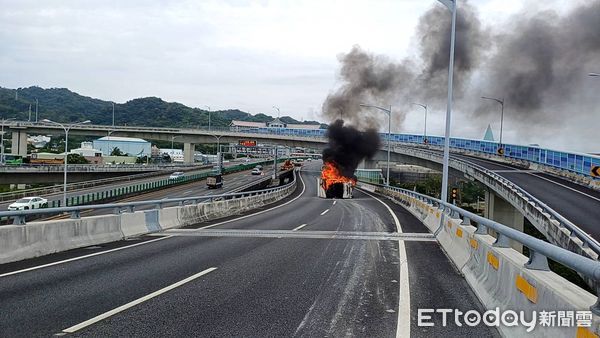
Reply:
x=303, y=126
x=87, y=150
x=489, y=136
x=236, y=125
x=276, y=123
x=127, y=145
x=38, y=141
x=175, y=154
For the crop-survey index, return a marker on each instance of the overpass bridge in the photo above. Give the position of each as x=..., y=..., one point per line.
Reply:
x=282, y=262
x=556, y=191
x=32, y=174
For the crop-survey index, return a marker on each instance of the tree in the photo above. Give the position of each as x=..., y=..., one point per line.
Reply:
x=116, y=152
x=76, y=159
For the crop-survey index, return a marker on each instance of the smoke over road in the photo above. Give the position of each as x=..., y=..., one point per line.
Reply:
x=348, y=146
x=537, y=63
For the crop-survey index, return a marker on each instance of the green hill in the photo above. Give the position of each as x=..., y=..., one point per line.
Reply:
x=63, y=105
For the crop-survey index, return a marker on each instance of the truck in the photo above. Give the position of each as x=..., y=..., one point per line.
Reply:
x=214, y=181
x=287, y=165
x=336, y=190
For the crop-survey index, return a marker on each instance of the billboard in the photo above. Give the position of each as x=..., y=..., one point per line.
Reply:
x=247, y=143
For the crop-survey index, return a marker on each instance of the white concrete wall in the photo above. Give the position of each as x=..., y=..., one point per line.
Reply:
x=495, y=273
x=18, y=242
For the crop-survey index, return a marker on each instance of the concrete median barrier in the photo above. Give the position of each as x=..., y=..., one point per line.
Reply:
x=499, y=276
x=19, y=242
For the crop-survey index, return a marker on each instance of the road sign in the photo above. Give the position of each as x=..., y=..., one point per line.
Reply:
x=247, y=143
x=595, y=171
x=500, y=151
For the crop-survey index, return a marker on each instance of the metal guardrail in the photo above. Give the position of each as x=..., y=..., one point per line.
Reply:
x=5, y=196
x=90, y=167
x=578, y=163
x=575, y=231
x=74, y=211
x=319, y=134
x=539, y=250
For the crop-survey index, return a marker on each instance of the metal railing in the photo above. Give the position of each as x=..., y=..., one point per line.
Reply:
x=91, y=167
x=578, y=163
x=75, y=211
x=6, y=196
x=575, y=231
x=539, y=250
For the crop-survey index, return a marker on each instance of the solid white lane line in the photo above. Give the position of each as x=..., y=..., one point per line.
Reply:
x=83, y=257
x=121, y=308
x=260, y=212
x=534, y=173
x=566, y=187
x=300, y=227
x=396, y=221
x=404, y=320
x=324, y=212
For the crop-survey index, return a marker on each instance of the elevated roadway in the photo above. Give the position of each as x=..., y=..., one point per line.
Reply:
x=183, y=283
x=35, y=174
x=579, y=204
x=231, y=182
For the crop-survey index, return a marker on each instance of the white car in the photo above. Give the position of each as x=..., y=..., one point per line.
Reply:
x=27, y=203
x=256, y=171
x=176, y=175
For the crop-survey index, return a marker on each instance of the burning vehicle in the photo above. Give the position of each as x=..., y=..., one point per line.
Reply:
x=332, y=184
x=347, y=147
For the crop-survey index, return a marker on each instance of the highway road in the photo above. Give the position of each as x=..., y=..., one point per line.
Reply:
x=231, y=183
x=300, y=282
x=122, y=184
x=578, y=204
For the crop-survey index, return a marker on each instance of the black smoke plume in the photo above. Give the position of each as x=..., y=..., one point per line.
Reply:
x=540, y=65
x=348, y=146
x=375, y=79
x=537, y=62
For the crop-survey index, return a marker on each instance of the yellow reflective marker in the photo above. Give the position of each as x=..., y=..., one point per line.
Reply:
x=474, y=243
x=493, y=260
x=526, y=289
x=459, y=232
x=583, y=332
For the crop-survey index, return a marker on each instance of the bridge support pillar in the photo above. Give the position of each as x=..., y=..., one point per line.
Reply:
x=503, y=212
x=367, y=164
x=188, y=152
x=19, y=142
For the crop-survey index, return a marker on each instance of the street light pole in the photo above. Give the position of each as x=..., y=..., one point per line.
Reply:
x=501, y=101
x=2, y=140
x=36, y=110
x=113, y=116
x=208, y=107
x=278, y=111
x=425, y=130
x=451, y=5
x=389, y=136
x=66, y=128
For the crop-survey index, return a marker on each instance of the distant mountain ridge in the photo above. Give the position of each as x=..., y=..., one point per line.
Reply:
x=63, y=105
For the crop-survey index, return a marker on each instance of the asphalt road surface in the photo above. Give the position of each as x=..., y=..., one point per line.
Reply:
x=118, y=184
x=183, y=283
x=578, y=204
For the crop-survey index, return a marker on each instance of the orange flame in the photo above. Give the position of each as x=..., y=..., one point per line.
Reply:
x=330, y=175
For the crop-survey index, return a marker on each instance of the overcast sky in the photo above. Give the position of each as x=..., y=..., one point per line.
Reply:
x=249, y=55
